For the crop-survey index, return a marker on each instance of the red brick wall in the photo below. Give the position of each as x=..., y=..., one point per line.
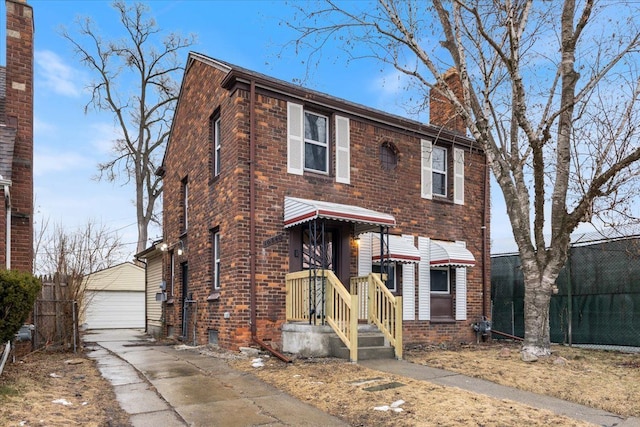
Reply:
x=19, y=105
x=223, y=202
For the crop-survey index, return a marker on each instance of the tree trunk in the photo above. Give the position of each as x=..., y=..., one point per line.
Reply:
x=537, y=297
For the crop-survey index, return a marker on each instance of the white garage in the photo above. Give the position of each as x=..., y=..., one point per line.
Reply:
x=114, y=298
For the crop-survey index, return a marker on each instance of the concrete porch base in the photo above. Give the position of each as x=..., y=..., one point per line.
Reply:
x=307, y=340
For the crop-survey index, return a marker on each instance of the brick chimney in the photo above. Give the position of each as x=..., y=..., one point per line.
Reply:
x=19, y=115
x=441, y=111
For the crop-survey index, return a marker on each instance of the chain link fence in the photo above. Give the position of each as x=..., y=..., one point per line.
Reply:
x=598, y=300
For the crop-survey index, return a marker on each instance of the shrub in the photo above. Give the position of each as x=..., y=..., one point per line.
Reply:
x=18, y=292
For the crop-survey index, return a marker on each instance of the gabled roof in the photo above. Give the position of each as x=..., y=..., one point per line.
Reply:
x=237, y=75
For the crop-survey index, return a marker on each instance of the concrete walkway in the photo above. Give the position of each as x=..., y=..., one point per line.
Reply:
x=161, y=386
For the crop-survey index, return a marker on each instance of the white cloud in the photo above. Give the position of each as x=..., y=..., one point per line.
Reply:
x=56, y=75
x=47, y=162
x=104, y=135
x=42, y=128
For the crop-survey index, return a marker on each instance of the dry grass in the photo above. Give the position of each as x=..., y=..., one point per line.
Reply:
x=600, y=379
x=606, y=380
x=29, y=388
x=339, y=388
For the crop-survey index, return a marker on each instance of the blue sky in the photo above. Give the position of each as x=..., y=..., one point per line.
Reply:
x=69, y=143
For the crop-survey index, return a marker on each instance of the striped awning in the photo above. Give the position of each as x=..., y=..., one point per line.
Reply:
x=400, y=250
x=298, y=211
x=450, y=254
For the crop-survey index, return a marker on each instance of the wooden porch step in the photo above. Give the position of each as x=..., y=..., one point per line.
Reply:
x=371, y=345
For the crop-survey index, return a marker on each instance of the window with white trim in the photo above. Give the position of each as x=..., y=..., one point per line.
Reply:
x=215, y=248
x=215, y=144
x=185, y=204
x=439, y=170
x=316, y=143
x=440, y=281
x=392, y=279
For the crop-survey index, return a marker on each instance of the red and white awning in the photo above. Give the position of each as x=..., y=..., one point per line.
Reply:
x=450, y=254
x=400, y=250
x=298, y=211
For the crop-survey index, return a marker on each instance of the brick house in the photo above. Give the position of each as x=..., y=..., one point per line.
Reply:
x=16, y=140
x=264, y=179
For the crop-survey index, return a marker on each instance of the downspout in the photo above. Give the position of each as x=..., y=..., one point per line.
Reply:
x=485, y=220
x=252, y=227
x=7, y=202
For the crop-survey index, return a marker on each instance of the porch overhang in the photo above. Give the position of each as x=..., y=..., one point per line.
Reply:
x=299, y=211
x=450, y=254
x=400, y=250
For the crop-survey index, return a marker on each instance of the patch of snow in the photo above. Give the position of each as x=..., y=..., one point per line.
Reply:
x=257, y=363
x=397, y=403
x=384, y=408
x=54, y=375
x=64, y=402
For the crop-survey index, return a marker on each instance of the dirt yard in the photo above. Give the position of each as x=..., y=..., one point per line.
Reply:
x=57, y=389
x=30, y=391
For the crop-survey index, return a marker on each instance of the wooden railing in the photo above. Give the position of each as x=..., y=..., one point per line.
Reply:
x=368, y=295
x=383, y=308
x=341, y=308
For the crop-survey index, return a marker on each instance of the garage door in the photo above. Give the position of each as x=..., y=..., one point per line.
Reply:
x=107, y=310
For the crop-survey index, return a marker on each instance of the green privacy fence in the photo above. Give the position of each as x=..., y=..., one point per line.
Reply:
x=598, y=300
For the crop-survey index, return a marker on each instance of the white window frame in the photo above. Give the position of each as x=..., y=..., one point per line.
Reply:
x=435, y=171
x=172, y=263
x=317, y=143
x=215, y=238
x=448, y=270
x=217, y=165
x=393, y=265
x=185, y=202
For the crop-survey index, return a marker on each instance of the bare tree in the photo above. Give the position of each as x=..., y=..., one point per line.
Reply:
x=549, y=92
x=135, y=80
x=69, y=256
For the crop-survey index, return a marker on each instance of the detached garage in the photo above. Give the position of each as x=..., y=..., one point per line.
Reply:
x=114, y=298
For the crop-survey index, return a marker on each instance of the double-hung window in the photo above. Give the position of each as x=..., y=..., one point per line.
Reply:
x=215, y=246
x=316, y=143
x=185, y=204
x=215, y=144
x=440, y=280
x=439, y=170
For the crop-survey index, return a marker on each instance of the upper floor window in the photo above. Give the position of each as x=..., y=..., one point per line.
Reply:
x=439, y=170
x=185, y=204
x=388, y=156
x=215, y=137
x=316, y=144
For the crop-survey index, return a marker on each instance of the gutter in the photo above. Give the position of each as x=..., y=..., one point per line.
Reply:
x=252, y=228
x=6, y=184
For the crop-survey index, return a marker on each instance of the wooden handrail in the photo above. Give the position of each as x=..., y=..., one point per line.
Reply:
x=341, y=308
x=385, y=311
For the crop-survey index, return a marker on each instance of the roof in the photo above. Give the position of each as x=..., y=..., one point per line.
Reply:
x=237, y=74
x=298, y=211
x=122, y=277
x=450, y=254
x=400, y=249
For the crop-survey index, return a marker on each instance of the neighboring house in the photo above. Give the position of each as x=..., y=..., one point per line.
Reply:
x=16, y=140
x=275, y=201
x=114, y=298
x=154, y=288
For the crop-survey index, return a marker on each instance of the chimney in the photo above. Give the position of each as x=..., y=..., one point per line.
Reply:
x=441, y=111
x=19, y=113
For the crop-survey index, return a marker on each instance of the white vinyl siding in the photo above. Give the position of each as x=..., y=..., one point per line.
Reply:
x=426, y=177
x=458, y=176
x=295, y=139
x=461, y=291
x=408, y=287
x=154, y=280
x=365, y=254
x=343, y=155
x=424, y=278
